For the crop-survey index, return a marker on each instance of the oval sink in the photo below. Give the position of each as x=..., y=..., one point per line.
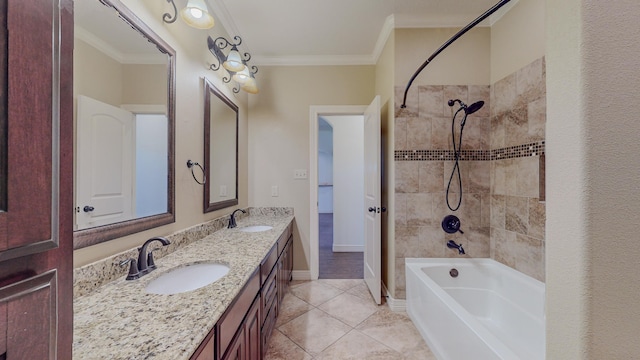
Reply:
x=256, y=228
x=187, y=278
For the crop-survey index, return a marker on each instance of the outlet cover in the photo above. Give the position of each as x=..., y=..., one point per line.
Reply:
x=300, y=174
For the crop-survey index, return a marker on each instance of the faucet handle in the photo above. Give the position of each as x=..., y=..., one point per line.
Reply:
x=134, y=273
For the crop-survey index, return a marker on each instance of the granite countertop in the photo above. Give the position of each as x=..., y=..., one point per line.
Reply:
x=121, y=321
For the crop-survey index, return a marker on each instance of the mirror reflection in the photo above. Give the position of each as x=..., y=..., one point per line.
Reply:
x=123, y=119
x=221, y=149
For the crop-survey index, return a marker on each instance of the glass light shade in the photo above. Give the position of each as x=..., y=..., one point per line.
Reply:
x=234, y=61
x=250, y=86
x=242, y=76
x=196, y=14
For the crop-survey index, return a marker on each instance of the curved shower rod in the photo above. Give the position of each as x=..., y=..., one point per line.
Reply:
x=455, y=37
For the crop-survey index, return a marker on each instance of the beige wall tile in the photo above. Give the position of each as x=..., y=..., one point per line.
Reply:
x=529, y=256
x=497, y=136
x=419, y=209
x=527, y=183
x=407, y=239
x=530, y=83
x=516, y=127
x=400, y=280
x=537, y=118
x=430, y=100
x=517, y=214
x=401, y=209
x=412, y=101
x=407, y=176
x=418, y=133
x=481, y=92
x=479, y=176
x=400, y=134
x=537, y=219
x=432, y=240
x=505, y=94
x=441, y=133
x=453, y=92
x=431, y=174
x=498, y=208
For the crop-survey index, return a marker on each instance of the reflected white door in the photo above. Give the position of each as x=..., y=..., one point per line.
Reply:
x=372, y=217
x=105, y=164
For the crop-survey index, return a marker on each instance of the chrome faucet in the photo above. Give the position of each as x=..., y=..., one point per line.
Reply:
x=145, y=263
x=232, y=219
x=452, y=245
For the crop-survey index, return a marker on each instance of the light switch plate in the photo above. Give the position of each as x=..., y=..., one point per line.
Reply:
x=274, y=190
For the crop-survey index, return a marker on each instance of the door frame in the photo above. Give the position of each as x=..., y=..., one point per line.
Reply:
x=316, y=111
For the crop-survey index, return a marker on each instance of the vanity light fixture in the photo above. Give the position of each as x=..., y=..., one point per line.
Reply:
x=195, y=14
x=235, y=63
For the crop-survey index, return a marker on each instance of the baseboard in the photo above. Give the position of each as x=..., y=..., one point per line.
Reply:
x=348, y=248
x=303, y=275
x=395, y=305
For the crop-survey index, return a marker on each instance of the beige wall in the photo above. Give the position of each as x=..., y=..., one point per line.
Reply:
x=144, y=84
x=191, y=65
x=458, y=64
x=96, y=75
x=593, y=200
x=279, y=133
x=517, y=38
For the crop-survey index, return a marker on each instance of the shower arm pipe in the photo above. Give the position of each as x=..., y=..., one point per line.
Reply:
x=455, y=37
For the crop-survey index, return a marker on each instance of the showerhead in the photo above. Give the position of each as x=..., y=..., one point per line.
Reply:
x=468, y=110
x=473, y=107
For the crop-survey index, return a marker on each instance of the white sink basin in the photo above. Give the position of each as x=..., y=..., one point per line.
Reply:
x=187, y=278
x=256, y=228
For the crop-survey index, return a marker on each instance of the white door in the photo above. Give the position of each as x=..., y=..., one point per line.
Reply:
x=372, y=217
x=104, y=170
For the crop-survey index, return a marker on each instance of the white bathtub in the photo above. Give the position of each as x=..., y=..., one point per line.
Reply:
x=489, y=311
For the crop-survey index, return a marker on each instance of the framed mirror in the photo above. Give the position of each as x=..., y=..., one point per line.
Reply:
x=124, y=98
x=220, y=149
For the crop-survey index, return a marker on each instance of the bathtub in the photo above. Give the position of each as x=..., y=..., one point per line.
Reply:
x=489, y=311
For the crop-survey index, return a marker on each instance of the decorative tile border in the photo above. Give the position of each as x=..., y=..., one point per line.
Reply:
x=518, y=151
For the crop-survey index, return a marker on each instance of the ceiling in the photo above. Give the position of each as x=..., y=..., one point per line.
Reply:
x=335, y=32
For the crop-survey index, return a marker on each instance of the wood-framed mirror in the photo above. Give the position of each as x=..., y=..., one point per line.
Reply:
x=124, y=116
x=220, y=149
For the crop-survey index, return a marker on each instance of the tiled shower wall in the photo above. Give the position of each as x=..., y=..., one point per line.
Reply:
x=500, y=213
x=518, y=118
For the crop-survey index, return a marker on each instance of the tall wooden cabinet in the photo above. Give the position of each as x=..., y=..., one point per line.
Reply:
x=36, y=179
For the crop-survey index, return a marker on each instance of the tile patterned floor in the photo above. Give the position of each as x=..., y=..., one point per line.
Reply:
x=337, y=319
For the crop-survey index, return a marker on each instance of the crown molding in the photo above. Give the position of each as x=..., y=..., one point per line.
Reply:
x=394, y=21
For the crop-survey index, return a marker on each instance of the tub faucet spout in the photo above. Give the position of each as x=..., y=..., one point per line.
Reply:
x=452, y=245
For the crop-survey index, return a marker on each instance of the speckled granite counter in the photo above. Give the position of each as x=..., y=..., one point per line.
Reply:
x=121, y=321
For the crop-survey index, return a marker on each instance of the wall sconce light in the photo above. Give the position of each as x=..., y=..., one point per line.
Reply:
x=235, y=64
x=195, y=14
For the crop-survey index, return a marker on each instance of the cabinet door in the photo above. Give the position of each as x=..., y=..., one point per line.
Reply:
x=252, y=332
x=36, y=188
x=237, y=349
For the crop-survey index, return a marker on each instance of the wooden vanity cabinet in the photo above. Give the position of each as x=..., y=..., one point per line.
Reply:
x=244, y=329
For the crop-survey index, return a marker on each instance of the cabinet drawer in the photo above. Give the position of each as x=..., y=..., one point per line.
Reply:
x=269, y=325
x=282, y=240
x=268, y=263
x=269, y=292
x=233, y=317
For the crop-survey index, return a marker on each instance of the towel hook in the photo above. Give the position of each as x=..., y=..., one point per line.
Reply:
x=190, y=165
